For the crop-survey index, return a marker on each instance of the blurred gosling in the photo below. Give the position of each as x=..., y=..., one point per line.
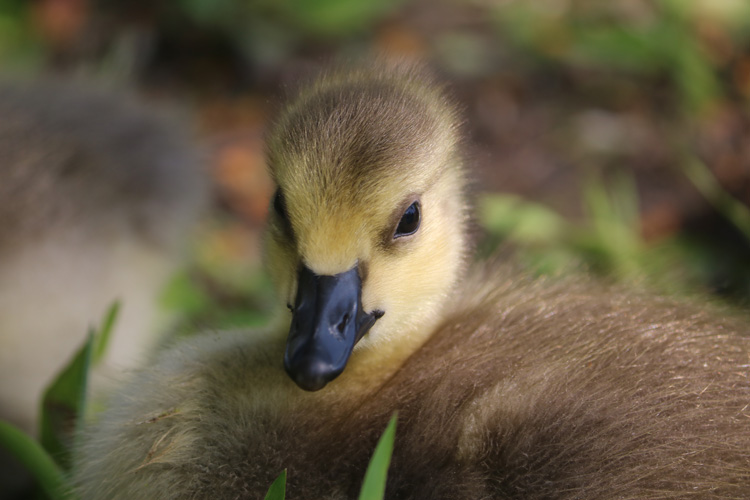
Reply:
x=98, y=197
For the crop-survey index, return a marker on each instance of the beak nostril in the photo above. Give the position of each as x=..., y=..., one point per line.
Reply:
x=327, y=322
x=342, y=324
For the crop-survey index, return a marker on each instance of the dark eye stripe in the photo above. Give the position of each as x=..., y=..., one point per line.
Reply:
x=409, y=222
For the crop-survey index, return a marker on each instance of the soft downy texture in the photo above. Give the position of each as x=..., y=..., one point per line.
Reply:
x=98, y=199
x=506, y=386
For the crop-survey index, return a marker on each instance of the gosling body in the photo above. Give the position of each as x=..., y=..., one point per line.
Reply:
x=98, y=196
x=505, y=387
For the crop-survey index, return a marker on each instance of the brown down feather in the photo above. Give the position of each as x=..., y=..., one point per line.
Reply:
x=508, y=387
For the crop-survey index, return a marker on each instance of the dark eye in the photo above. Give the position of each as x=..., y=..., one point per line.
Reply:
x=279, y=204
x=409, y=222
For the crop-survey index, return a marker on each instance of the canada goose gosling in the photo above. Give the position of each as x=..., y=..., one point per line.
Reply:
x=342, y=214
x=506, y=387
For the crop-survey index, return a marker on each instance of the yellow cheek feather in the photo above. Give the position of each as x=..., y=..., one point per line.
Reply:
x=410, y=283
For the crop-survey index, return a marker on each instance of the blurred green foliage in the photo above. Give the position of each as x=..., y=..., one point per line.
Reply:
x=665, y=42
x=205, y=302
x=20, y=48
x=609, y=242
x=324, y=18
x=686, y=50
x=266, y=31
x=331, y=18
x=64, y=405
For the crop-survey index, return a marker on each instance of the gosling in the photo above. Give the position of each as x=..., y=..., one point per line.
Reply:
x=98, y=197
x=506, y=387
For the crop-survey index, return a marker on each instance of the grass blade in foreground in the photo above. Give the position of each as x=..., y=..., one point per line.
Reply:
x=32, y=456
x=727, y=205
x=373, y=487
x=277, y=491
x=101, y=338
x=64, y=401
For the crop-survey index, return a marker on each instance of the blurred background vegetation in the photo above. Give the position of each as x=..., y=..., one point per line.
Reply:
x=611, y=136
x=616, y=131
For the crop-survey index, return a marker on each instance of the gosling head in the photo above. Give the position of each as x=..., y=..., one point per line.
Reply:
x=366, y=229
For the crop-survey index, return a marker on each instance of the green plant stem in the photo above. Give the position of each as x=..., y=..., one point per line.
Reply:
x=32, y=456
x=373, y=486
x=704, y=180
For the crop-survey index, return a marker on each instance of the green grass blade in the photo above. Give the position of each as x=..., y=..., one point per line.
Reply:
x=32, y=456
x=705, y=181
x=277, y=491
x=373, y=487
x=101, y=338
x=63, y=401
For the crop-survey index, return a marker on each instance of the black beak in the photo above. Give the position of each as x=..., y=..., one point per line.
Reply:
x=328, y=321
